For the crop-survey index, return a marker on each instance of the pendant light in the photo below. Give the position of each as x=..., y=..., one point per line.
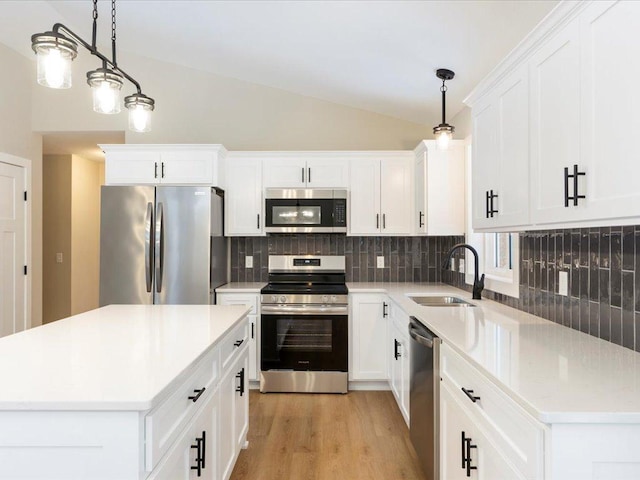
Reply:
x=444, y=131
x=57, y=48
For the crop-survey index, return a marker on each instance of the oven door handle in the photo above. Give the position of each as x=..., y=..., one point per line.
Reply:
x=303, y=310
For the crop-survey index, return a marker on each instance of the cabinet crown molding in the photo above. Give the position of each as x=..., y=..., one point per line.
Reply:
x=564, y=12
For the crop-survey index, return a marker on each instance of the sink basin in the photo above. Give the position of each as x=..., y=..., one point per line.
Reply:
x=441, y=301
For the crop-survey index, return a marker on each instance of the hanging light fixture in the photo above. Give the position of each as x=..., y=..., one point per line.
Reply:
x=57, y=48
x=444, y=131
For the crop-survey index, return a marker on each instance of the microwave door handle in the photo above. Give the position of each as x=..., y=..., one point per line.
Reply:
x=148, y=245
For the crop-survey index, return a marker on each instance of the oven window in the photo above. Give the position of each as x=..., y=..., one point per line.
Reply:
x=296, y=215
x=313, y=335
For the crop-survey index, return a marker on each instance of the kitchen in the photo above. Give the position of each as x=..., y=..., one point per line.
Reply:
x=591, y=246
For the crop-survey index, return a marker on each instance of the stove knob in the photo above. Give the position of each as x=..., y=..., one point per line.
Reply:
x=283, y=299
x=325, y=299
x=334, y=299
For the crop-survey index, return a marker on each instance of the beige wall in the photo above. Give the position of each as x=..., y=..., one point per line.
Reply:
x=85, y=233
x=462, y=122
x=56, y=300
x=17, y=138
x=198, y=107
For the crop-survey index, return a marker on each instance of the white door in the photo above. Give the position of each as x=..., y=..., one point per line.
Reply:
x=132, y=168
x=243, y=197
x=285, y=173
x=364, y=191
x=555, y=125
x=13, y=312
x=328, y=173
x=396, y=196
x=369, y=337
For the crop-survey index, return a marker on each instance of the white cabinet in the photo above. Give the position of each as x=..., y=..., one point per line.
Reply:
x=439, y=189
x=500, y=163
x=368, y=336
x=555, y=125
x=381, y=196
x=234, y=415
x=293, y=170
x=163, y=164
x=400, y=358
x=243, y=196
x=252, y=300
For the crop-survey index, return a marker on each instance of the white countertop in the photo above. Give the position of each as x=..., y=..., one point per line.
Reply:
x=557, y=374
x=119, y=357
x=241, y=287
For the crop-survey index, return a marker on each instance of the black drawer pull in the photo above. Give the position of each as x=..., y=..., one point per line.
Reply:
x=469, y=466
x=463, y=455
x=197, y=395
x=201, y=446
x=240, y=376
x=574, y=176
x=420, y=220
x=396, y=353
x=469, y=393
x=237, y=343
x=384, y=310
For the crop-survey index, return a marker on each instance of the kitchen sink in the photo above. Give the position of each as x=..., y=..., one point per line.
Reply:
x=440, y=301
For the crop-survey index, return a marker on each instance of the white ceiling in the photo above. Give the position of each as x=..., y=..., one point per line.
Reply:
x=379, y=56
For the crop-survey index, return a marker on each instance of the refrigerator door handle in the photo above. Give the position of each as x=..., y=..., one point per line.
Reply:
x=148, y=247
x=159, y=250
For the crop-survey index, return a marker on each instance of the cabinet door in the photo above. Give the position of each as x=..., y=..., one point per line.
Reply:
x=610, y=67
x=364, y=201
x=368, y=336
x=285, y=173
x=405, y=379
x=327, y=173
x=555, y=125
x=187, y=167
x=234, y=415
x=489, y=462
x=484, y=161
x=243, y=197
x=127, y=168
x=197, y=447
x=396, y=194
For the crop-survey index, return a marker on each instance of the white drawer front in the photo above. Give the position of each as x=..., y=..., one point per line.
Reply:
x=518, y=435
x=233, y=342
x=251, y=300
x=165, y=422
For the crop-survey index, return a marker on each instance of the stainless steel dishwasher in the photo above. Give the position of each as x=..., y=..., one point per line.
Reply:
x=424, y=397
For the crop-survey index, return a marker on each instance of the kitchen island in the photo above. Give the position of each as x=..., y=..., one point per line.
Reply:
x=123, y=392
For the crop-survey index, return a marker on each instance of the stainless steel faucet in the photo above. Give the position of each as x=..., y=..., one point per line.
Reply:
x=478, y=282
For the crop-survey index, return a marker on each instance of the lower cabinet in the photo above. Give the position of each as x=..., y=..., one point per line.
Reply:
x=400, y=359
x=234, y=415
x=368, y=336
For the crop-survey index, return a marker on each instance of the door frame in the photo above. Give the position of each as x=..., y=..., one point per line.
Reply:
x=26, y=164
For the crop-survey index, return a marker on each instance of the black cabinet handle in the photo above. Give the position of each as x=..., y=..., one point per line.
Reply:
x=258, y=224
x=302, y=174
x=377, y=220
x=396, y=353
x=468, y=454
x=309, y=175
x=384, y=220
x=492, y=210
x=486, y=203
x=155, y=170
x=237, y=343
x=384, y=310
x=420, y=220
x=463, y=455
x=240, y=388
x=252, y=329
x=197, y=395
x=574, y=176
x=162, y=169
x=469, y=393
x=201, y=446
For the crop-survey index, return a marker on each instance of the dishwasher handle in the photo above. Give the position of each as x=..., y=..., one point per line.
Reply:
x=416, y=334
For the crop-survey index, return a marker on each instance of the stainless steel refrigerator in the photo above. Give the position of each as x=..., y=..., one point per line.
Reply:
x=161, y=245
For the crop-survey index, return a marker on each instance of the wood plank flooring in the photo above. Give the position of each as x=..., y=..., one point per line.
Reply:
x=360, y=435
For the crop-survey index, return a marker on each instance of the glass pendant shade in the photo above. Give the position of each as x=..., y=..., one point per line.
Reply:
x=140, y=107
x=444, y=135
x=54, y=53
x=105, y=85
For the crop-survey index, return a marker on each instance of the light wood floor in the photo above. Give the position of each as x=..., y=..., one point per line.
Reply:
x=360, y=435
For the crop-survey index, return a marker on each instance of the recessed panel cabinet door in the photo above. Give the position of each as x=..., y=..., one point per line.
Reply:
x=285, y=173
x=243, y=197
x=364, y=197
x=396, y=196
x=555, y=125
x=610, y=69
x=368, y=337
x=484, y=160
x=328, y=173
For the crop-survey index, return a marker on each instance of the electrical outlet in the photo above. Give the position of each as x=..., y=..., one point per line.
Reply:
x=248, y=261
x=58, y=257
x=461, y=266
x=380, y=261
x=452, y=265
x=563, y=283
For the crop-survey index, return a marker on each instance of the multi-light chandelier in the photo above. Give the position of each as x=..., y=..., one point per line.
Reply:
x=57, y=48
x=444, y=131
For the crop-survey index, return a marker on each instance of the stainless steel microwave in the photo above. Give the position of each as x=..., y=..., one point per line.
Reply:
x=297, y=210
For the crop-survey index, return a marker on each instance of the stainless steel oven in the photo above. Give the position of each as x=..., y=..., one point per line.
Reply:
x=304, y=326
x=305, y=211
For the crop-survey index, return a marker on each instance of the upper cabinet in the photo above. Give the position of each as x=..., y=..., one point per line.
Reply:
x=439, y=189
x=163, y=164
x=381, y=193
x=243, y=196
x=562, y=135
x=301, y=170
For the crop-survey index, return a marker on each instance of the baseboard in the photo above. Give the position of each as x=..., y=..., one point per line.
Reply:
x=369, y=385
